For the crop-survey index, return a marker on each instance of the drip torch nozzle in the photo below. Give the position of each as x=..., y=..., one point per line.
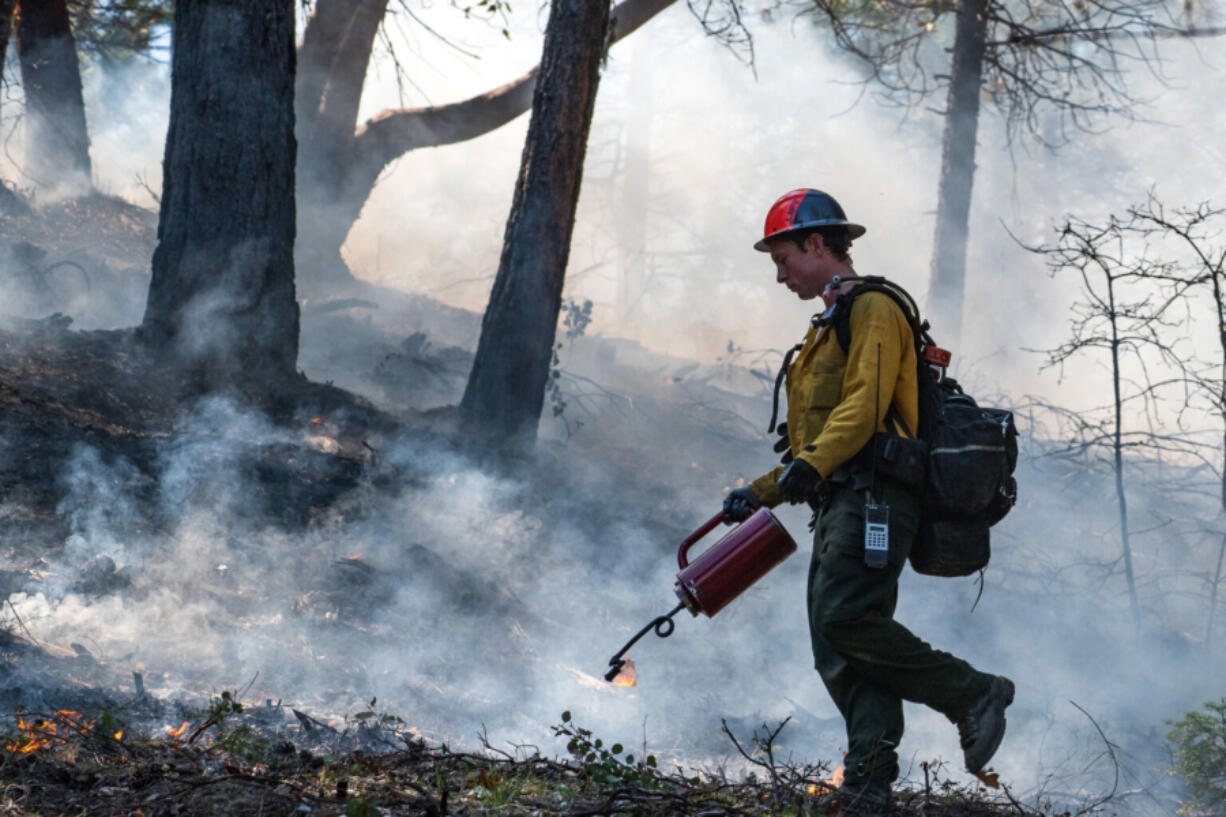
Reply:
x=663, y=625
x=615, y=669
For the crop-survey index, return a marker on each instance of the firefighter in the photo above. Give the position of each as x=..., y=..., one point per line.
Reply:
x=836, y=401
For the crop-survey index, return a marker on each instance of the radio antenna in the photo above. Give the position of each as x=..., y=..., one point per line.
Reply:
x=876, y=421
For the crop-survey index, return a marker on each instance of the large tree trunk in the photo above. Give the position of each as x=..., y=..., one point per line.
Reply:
x=340, y=163
x=945, y=288
x=222, y=295
x=506, y=389
x=57, y=142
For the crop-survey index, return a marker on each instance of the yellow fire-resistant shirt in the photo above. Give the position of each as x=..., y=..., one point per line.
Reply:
x=832, y=412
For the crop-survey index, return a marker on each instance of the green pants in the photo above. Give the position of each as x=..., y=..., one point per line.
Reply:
x=869, y=662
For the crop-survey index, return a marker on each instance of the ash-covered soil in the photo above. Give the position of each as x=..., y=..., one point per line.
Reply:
x=235, y=768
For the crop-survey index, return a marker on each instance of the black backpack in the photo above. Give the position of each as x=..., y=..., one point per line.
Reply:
x=968, y=452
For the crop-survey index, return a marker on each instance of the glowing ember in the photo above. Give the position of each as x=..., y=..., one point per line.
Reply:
x=177, y=733
x=627, y=677
x=317, y=420
x=119, y=735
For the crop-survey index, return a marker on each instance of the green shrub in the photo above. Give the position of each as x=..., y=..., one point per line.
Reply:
x=1200, y=758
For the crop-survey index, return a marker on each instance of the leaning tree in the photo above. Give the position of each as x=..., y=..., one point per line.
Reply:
x=340, y=159
x=221, y=300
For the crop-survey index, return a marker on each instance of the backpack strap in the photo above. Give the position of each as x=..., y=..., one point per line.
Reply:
x=840, y=316
x=840, y=319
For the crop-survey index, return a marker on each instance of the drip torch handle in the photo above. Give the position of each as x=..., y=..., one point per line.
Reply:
x=682, y=553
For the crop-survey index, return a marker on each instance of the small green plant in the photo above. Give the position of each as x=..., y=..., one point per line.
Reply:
x=220, y=708
x=109, y=726
x=575, y=320
x=607, y=765
x=1199, y=740
x=243, y=742
x=496, y=791
x=362, y=807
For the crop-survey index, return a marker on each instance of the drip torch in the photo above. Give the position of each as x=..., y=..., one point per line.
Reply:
x=723, y=571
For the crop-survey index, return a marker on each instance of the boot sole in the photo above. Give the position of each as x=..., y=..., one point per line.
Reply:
x=1002, y=693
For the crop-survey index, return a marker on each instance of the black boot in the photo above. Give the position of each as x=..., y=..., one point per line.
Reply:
x=982, y=728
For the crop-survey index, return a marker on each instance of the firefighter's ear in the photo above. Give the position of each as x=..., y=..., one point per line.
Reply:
x=815, y=242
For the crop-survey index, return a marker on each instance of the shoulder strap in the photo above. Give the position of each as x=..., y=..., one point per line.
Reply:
x=840, y=316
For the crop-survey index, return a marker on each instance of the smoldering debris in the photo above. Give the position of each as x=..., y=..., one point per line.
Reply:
x=242, y=768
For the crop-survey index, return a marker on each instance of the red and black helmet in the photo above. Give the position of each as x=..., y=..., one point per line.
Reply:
x=801, y=210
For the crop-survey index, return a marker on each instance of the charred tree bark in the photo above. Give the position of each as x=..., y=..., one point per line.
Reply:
x=57, y=141
x=340, y=164
x=948, y=273
x=222, y=294
x=506, y=389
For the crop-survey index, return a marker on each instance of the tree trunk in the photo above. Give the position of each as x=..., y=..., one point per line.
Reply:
x=341, y=164
x=6, y=28
x=332, y=66
x=10, y=202
x=945, y=288
x=502, y=401
x=1118, y=451
x=1215, y=278
x=57, y=142
x=222, y=294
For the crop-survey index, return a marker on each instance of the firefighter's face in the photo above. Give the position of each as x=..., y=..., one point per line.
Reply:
x=806, y=271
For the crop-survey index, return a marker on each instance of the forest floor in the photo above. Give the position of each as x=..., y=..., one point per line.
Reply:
x=65, y=765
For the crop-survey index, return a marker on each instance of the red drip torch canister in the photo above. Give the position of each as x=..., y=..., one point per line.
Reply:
x=724, y=571
x=730, y=566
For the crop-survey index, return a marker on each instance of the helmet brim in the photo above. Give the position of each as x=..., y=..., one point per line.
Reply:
x=853, y=230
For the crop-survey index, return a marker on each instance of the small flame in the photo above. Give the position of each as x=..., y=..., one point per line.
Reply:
x=119, y=735
x=627, y=677
x=828, y=786
x=317, y=420
x=177, y=733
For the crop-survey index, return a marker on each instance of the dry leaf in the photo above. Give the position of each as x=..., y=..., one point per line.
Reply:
x=989, y=778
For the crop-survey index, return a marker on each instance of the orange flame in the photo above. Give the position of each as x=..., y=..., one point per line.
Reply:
x=40, y=733
x=828, y=786
x=627, y=677
x=317, y=420
x=119, y=735
x=177, y=733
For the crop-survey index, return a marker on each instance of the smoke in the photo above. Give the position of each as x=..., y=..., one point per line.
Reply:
x=495, y=598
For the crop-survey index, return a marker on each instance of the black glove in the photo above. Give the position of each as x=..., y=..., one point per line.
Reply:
x=797, y=481
x=739, y=504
